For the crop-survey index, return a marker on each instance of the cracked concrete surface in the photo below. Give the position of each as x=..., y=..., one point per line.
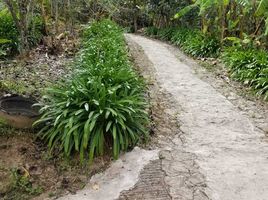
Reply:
x=122, y=175
x=151, y=184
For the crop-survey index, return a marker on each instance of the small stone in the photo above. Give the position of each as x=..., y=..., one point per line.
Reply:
x=95, y=186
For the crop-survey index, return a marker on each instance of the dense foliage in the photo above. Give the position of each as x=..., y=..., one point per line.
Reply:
x=193, y=42
x=103, y=105
x=9, y=34
x=249, y=66
x=231, y=18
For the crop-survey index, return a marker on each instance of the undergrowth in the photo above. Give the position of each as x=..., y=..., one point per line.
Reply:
x=193, y=42
x=250, y=66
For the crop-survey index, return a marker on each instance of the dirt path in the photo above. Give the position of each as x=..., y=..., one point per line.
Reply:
x=208, y=146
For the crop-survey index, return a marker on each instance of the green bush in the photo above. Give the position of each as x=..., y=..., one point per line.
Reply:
x=103, y=105
x=249, y=66
x=192, y=42
x=151, y=31
x=166, y=33
x=199, y=45
x=8, y=31
x=180, y=36
x=4, y=45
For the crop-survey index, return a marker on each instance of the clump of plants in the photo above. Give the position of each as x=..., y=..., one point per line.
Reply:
x=180, y=36
x=166, y=33
x=201, y=46
x=192, y=42
x=249, y=66
x=103, y=107
x=151, y=31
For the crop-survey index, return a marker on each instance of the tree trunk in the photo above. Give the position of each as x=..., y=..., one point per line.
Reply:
x=55, y=16
x=69, y=17
x=135, y=16
x=44, y=16
x=21, y=22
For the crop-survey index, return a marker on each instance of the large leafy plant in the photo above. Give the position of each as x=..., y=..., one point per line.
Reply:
x=151, y=31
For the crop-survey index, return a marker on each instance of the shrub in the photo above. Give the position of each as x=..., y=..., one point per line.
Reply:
x=36, y=30
x=166, y=33
x=180, y=36
x=151, y=31
x=103, y=105
x=192, y=42
x=8, y=31
x=249, y=66
x=199, y=45
x=4, y=44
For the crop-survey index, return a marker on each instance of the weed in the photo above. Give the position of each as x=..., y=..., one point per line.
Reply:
x=22, y=187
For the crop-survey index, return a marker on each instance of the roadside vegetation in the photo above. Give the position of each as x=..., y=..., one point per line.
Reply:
x=233, y=31
x=103, y=105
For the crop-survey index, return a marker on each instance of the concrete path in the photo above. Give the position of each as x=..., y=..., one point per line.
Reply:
x=218, y=154
x=228, y=148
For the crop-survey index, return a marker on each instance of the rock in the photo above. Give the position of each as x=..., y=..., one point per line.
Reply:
x=6, y=182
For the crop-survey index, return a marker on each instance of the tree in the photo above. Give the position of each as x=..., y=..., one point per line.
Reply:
x=21, y=11
x=262, y=10
x=224, y=18
x=125, y=12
